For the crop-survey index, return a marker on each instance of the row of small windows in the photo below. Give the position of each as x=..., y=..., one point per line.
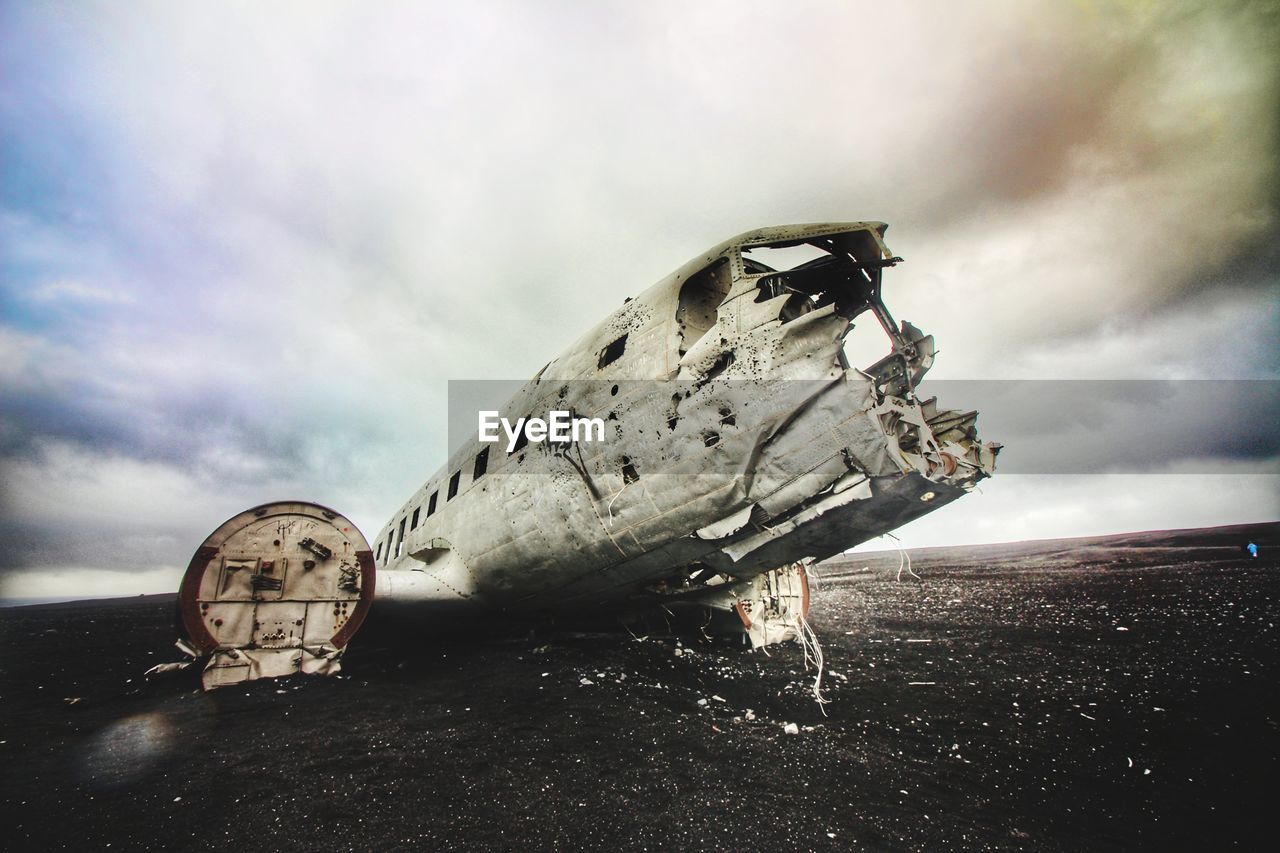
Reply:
x=478, y=470
x=608, y=355
x=481, y=465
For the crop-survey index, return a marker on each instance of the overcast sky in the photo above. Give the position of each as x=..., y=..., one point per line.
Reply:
x=245, y=246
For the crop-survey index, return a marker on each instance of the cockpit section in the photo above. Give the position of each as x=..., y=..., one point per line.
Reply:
x=777, y=277
x=843, y=270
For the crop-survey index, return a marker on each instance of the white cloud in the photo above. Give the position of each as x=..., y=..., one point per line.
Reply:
x=76, y=291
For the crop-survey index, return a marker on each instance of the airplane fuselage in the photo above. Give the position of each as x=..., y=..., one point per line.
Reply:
x=737, y=441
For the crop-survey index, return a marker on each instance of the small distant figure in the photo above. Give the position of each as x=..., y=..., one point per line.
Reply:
x=1252, y=548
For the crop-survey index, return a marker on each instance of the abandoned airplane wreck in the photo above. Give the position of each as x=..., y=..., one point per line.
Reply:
x=739, y=446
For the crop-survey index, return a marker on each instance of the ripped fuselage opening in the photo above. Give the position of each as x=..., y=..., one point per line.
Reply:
x=700, y=299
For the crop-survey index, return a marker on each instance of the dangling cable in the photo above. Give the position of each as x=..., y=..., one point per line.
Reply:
x=903, y=559
x=808, y=640
x=811, y=576
x=813, y=649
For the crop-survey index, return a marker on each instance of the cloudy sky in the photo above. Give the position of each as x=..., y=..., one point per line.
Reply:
x=245, y=246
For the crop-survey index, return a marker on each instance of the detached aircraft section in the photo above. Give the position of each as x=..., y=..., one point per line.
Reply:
x=277, y=589
x=739, y=446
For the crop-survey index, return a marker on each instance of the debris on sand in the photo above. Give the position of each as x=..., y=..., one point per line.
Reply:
x=161, y=668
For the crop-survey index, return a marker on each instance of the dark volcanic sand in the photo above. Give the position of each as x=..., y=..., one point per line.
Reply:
x=1044, y=726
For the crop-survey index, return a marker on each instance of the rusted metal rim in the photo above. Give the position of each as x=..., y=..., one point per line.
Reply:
x=946, y=461
x=189, y=606
x=367, y=574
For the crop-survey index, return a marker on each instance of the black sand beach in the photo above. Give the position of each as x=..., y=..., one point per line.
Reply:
x=1083, y=694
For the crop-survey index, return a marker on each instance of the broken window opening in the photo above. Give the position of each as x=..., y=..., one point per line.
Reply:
x=866, y=343
x=629, y=473
x=378, y=555
x=710, y=439
x=400, y=540
x=783, y=256
x=482, y=464
x=453, y=485
x=699, y=304
x=612, y=352
x=431, y=504
x=413, y=525
x=844, y=271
